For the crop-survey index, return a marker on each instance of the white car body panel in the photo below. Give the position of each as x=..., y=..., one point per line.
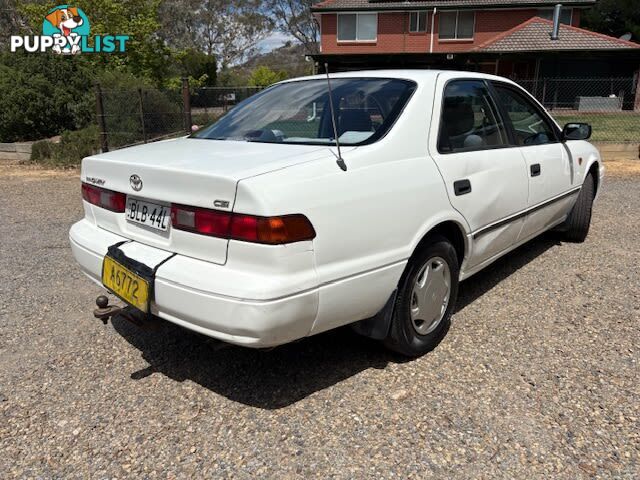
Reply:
x=368, y=220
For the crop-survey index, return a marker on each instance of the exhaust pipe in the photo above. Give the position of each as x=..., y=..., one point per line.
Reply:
x=555, y=34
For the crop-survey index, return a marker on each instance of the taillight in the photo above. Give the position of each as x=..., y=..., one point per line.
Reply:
x=101, y=197
x=238, y=226
x=200, y=220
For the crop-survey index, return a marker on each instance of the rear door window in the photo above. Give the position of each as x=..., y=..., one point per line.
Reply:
x=469, y=120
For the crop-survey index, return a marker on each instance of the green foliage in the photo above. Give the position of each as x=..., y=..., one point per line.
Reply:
x=228, y=77
x=263, y=76
x=137, y=112
x=198, y=65
x=73, y=147
x=41, y=95
x=41, y=151
x=146, y=55
x=614, y=17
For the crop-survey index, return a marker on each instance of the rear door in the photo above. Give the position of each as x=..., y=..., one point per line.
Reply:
x=549, y=166
x=485, y=174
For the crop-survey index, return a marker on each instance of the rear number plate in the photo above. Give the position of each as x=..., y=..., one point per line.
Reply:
x=126, y=284
x=149, y=214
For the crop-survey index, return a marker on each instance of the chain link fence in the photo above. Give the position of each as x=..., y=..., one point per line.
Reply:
x=610, y=105
x=134, y=116
x=210, y=103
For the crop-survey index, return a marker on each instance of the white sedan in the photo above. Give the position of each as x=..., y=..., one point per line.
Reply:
x=264, y=228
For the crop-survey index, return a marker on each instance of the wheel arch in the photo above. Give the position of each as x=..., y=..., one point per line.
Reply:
x=452, y=231
x=377, y=327
x=594, y=169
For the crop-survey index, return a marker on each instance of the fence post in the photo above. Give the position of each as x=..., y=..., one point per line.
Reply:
x=102, y=125
x=186, y=104
x=544, y=92
x=636, y=103
x=141, y=106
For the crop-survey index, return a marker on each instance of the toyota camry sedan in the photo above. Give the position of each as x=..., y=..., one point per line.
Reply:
x=363, y=198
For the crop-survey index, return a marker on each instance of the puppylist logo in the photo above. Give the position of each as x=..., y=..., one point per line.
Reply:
x=65, y=30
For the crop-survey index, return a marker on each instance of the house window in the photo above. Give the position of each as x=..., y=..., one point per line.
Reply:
x=456, y=25
x=357, y=27
x=417, y=22
x=566, y=15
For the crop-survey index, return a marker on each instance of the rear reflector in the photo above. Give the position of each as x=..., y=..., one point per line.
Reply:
x=238, y=226
x=101, y=197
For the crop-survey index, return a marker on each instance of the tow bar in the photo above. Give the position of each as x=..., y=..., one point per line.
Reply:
x=105, y=311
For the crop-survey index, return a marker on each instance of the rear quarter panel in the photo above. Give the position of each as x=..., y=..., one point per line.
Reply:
x=368, y=220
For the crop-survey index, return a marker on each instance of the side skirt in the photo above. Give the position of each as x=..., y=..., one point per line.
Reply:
x=466, y=274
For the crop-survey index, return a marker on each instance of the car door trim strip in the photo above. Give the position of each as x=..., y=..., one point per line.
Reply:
x=512, y=218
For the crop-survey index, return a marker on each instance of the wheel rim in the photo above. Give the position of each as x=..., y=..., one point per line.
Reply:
x=430, y=295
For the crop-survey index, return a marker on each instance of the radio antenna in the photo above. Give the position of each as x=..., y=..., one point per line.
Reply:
x=339, y=161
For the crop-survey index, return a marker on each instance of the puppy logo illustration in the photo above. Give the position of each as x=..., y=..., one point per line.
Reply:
x=66, y=25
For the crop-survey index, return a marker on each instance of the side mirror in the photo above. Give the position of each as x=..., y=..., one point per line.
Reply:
x=576, y=131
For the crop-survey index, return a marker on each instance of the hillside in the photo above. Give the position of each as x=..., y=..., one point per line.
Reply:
x=289, y=58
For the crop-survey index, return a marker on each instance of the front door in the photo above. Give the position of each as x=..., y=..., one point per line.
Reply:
x=485, y=174
x=549, y=166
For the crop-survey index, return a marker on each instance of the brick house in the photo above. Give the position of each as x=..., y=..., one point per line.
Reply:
x=509, y=38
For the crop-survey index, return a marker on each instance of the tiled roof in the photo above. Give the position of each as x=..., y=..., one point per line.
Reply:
x=534, y=35
x=334, y=5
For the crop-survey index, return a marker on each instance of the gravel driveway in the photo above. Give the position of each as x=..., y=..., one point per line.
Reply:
x=538, y=376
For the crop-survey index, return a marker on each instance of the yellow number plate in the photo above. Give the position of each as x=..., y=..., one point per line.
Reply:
x=130, y=287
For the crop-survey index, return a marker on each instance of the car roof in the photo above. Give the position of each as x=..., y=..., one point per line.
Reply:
x=417, y=75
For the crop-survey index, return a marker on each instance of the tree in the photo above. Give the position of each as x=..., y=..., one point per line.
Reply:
x=264, y=76
x=197, y=64
x=42, y=95
x=294, y=17
x=614, y=17
x=11, y=22
x=146, y=55
x=230, y=30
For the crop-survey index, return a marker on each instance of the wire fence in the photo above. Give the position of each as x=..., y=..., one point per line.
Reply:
x=610, y=105
x=132, y=116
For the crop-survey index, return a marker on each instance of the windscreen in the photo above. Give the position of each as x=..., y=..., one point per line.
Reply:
x=299, y=112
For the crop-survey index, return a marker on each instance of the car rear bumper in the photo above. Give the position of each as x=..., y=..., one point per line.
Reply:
x=182, y=293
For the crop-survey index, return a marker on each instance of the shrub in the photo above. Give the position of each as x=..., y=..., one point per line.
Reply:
x=42, y=95
x=263, y=77
x=73, y=147
x=41, y=151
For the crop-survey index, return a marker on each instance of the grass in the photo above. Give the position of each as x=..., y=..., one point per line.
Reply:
x=607, y=127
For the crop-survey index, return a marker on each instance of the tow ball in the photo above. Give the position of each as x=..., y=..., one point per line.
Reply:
x=105, y=311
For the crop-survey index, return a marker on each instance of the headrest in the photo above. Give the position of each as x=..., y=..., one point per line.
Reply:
x=458, y=117
x=354, y=121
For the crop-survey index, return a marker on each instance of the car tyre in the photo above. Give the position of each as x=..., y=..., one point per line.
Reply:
x=576, y=226
x=427, y=294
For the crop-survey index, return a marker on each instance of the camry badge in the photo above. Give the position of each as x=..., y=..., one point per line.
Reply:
x=136, y=182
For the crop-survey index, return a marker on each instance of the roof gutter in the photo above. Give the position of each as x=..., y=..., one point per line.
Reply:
x=380, y=6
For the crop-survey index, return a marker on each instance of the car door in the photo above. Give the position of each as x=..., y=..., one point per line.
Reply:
x=548, y=162
x=485, y=174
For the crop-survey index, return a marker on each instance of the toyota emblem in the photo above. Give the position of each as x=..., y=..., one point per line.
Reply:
x=136, y=182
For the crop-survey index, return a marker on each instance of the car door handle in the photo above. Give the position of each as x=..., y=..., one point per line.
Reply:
x=462, y=187
x=536, y=170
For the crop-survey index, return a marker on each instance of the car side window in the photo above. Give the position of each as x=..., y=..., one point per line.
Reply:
x=530, y=127
x=469, y=120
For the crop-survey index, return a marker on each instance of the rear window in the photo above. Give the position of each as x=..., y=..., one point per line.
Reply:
x=299, y=112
